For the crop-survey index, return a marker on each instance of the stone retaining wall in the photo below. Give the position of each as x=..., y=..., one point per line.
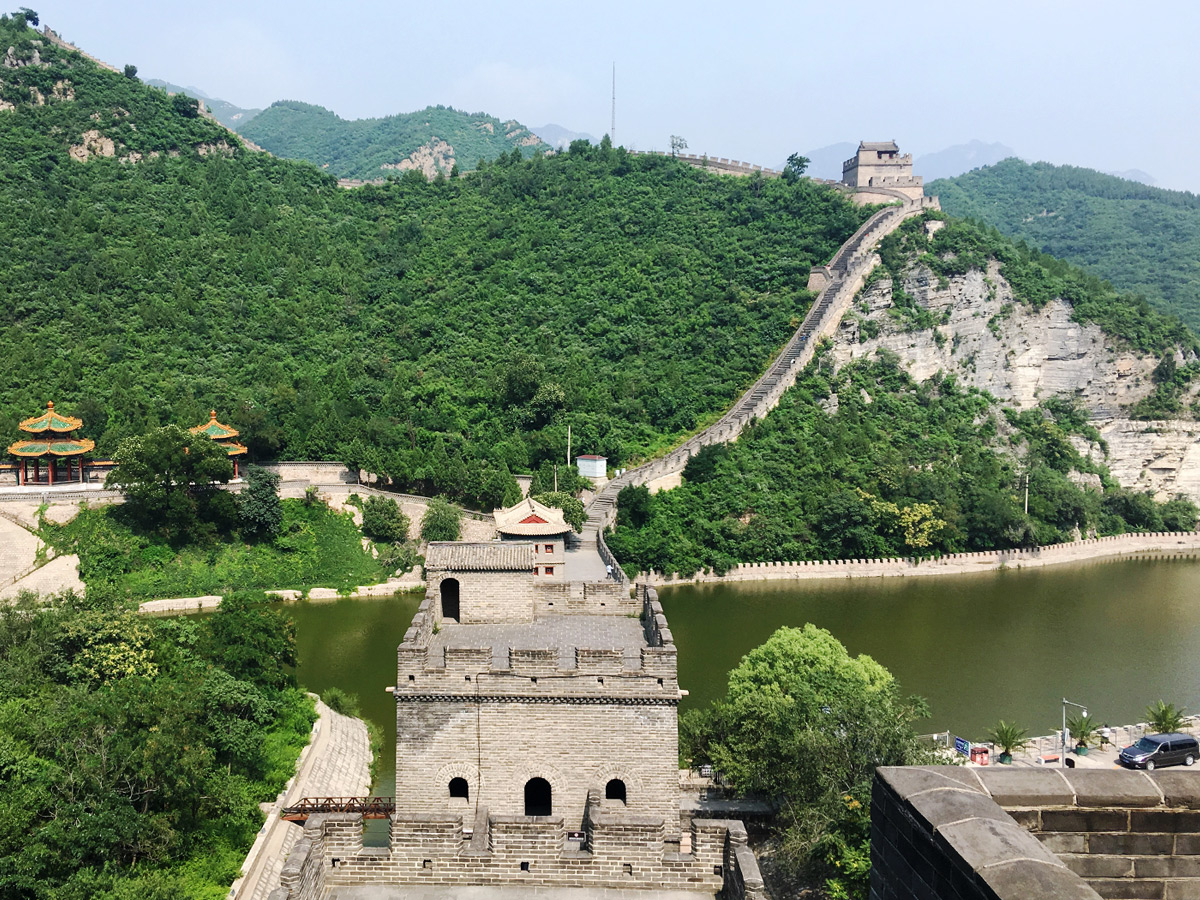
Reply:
x=950, y=832
x=951, y=564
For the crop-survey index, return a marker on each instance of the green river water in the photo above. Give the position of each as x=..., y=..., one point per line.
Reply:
x=1115, y=635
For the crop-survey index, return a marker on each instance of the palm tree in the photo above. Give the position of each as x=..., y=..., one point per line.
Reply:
x=1009, y=738
x=1083, y=729
x=1164, y=718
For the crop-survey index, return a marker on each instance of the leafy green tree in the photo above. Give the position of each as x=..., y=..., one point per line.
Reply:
x=796, y=166
x=383, y=520
x=441, y=522
x=260, y=510
x=185, y=106
x=633, y=505
x=805, y=722
x=573, y=511
x=252, y=640
x=167, y=477
x=131, y=71
x=30, y=15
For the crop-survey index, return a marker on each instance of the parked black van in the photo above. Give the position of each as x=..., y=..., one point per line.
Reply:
x=1157, y=750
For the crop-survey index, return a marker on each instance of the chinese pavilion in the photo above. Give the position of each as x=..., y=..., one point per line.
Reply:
x=223, y=435
x=53, y=439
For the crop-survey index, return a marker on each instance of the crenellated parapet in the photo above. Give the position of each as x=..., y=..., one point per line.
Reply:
x=614, y=849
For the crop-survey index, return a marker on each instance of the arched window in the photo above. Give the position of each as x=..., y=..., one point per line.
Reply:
x=449, y=592
x=537, y=797
x=615, y=790
x=460, y=788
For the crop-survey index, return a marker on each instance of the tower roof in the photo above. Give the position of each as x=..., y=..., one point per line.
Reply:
x=490, y=556
x=879, y=145
x=51, y=421
x=531, y=519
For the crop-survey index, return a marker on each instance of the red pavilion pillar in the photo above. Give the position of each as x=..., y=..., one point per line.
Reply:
x=37, y=469
x=50, y=467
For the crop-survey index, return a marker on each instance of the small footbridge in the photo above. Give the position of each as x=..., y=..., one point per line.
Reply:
x=843, y=277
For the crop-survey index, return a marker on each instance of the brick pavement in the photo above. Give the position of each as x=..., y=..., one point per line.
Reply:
x=338, y=765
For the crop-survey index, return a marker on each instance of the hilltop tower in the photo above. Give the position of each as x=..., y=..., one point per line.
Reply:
x=879, y=167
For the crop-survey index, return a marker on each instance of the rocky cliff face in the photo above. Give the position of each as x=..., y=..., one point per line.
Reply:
x=1023, y=357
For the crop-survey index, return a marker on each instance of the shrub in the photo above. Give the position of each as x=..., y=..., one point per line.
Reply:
x=341, y=702
x=441, y=522
x=383, y=520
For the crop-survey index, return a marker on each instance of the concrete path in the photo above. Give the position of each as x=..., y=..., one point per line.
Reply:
x=433, y=892
x=18, y=550
x=56, y=576
x=336, y=763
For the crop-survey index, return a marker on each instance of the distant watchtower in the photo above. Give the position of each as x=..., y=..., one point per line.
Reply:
x=880, y=165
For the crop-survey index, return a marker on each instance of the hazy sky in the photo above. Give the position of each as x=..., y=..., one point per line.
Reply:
x=1098, y=84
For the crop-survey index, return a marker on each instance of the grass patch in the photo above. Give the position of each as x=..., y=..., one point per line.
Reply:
x=316, y=547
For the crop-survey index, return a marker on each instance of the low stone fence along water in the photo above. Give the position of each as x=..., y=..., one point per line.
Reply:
x=952, y=564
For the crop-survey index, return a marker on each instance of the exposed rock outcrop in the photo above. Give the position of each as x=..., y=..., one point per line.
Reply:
x=92, y=143
x=1022, y=356
x=430, y=158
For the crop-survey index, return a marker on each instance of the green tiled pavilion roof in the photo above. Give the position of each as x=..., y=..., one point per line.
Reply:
x=51, y=421
x=65, y=447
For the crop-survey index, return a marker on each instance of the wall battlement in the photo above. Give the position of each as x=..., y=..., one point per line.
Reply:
x=614, y=849
x=425, y=667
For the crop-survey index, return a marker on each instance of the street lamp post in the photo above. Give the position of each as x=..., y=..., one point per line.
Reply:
x=1062, y=757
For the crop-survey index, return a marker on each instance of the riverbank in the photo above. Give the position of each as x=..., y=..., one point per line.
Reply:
x=336, y=763
x=178, y=606
x=952, y=564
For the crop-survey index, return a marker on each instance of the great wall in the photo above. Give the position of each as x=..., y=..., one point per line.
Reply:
x=837, y=282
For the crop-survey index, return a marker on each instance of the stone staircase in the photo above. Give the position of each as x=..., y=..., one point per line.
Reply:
x=849, y=268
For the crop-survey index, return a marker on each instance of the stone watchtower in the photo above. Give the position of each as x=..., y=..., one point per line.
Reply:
x=879, y=165
x=536, y=739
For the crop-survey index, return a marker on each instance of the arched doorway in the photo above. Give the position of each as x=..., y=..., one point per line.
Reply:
x=449, y=592
x=537, y=797
x=615, y=790
x=459, y=789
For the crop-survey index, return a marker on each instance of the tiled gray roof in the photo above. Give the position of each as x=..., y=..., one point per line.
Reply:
x=492, y=556
x=878, y=145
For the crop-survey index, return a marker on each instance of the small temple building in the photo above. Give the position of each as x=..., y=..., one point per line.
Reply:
x=531, y=519
x=223, y=435
x=54, y=449
x=544, y=528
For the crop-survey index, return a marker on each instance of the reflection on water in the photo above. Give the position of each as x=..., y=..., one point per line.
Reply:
x=1115, y=635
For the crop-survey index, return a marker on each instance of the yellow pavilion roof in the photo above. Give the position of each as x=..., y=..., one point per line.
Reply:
x=215, y=429
x=61, y=447
x=51, y=421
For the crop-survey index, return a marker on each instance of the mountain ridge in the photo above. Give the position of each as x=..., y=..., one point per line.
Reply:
x=434, y=139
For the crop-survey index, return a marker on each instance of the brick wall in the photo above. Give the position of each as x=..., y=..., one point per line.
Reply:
x=498, y=745
x=620, y=851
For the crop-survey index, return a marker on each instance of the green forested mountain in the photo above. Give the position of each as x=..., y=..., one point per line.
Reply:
x=223, y=111
x=863, y=462
x=433, y=139
x=443, y=333
x=1143, y=239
